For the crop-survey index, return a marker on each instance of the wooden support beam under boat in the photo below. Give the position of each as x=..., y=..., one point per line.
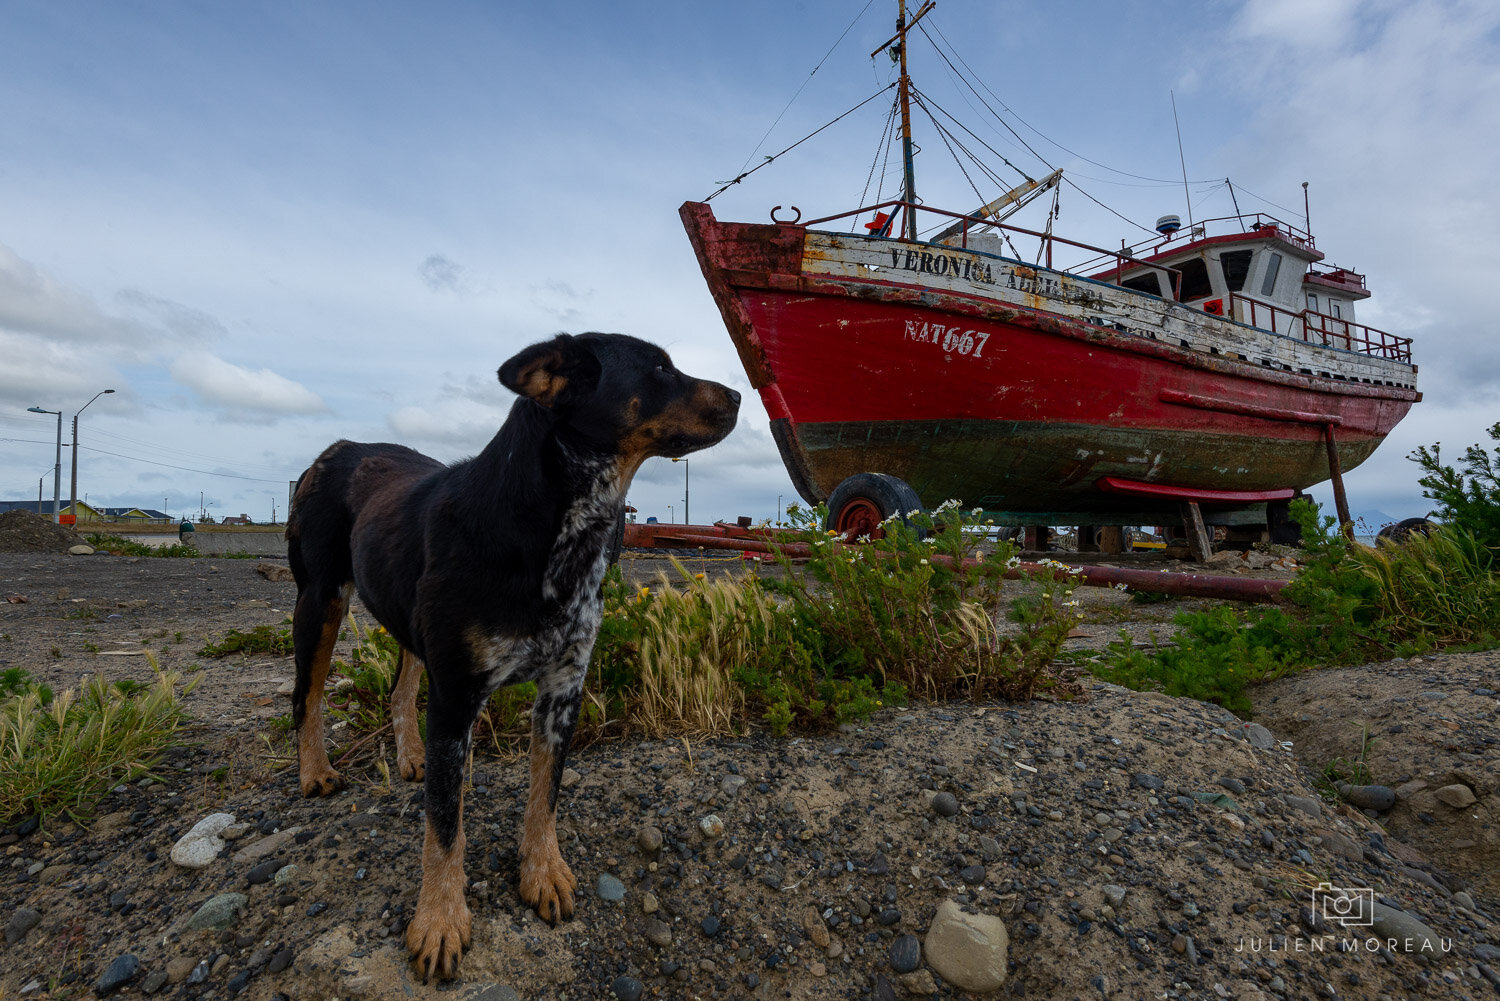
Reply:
x=1336, y=473
x=1199, y=542
x=1112, y=539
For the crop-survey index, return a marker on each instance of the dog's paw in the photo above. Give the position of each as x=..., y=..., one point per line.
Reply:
x=324, y=783
x=436, y=938
x=412, y=766
x=547, y=884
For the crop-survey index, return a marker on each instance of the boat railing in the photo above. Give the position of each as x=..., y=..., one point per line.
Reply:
x=1123, y=257
x=1319, y=328
x=1259, y=222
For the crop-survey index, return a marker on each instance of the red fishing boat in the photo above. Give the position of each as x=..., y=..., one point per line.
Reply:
x=904, y=352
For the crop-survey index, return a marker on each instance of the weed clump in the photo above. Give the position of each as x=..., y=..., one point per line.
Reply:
x=915, y=613
x=62, y=754
x=117, y=546
x=259, y=639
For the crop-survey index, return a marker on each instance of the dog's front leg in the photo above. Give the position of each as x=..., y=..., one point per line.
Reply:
x=439, y=930
x=547, y=884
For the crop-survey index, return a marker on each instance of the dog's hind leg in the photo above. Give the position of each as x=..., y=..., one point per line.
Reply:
x=409, y=749
x=439, y=930
x=547, y=884
x=315, y=629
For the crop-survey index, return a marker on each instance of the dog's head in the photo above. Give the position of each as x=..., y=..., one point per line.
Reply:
x=622, y=396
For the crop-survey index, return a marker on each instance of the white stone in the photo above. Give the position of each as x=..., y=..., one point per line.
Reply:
x=81, y=550
x=201, y=845
x=969, y=951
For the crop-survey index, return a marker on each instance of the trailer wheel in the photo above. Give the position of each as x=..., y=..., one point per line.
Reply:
x=861, y=502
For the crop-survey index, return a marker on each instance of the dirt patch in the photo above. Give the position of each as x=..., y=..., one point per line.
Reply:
x=1429, y=729
x=1133, y=846
x=25, y=532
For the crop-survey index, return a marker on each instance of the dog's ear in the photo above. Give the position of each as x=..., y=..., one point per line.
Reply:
x=553, y=371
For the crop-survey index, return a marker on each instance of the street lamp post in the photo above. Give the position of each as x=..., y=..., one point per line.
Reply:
x=73, y=493
x=57, y=468
x=686, y=492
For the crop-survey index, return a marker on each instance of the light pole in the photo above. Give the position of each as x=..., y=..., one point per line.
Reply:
x=686, y=492
x=57, y=468
x=73, y=493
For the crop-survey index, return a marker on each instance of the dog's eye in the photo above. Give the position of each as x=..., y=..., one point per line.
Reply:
x=664, y=367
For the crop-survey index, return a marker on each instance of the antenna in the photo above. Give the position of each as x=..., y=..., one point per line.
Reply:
x=1182, y=160
x=1306, y=215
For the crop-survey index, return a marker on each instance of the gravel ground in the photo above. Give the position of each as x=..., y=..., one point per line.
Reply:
x=1124, y=846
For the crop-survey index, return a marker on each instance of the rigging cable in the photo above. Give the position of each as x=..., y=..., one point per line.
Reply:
x=949, y=142
x=882, y=155
x=771, y=159
x=803, y=86
x=1034, y=129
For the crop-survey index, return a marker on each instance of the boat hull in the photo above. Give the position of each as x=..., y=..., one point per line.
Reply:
x=1000, y=398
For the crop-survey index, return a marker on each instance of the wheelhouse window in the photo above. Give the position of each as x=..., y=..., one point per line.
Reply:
x=1338, y=314
x=1236, y=265
x=1195, y=283
x=1312, y=301
x=1143, y=283
x=1273, y=268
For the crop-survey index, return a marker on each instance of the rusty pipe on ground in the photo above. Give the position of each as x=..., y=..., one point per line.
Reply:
x=1191, y=585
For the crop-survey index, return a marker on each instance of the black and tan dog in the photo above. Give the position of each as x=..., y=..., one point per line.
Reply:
x=488, y=572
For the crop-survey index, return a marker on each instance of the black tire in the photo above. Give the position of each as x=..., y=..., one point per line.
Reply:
x=1404, y=529
x=861, y=502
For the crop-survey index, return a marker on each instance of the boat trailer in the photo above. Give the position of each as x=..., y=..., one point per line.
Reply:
x=758, y=540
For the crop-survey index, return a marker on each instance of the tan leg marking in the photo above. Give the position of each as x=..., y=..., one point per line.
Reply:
x=315, y=772
x=547, y=883
x=410, y=754
x=439, y=930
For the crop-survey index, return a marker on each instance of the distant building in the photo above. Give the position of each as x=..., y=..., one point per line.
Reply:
x=43, y=508
x=87, y=512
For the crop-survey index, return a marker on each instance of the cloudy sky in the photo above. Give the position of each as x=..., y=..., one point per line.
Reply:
x=271, y=225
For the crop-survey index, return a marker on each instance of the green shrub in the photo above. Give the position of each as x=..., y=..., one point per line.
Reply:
x=1348, y=604
x=1468, y=498
x=840, y=633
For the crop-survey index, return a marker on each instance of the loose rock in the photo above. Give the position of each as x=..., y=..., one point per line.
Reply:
x=118, y=974
x=967, y=950
x=202, y=844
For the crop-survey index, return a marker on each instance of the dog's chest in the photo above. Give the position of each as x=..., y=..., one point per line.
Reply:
x=571, y=599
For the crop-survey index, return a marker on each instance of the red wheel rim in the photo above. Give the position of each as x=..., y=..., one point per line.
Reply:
x=859, y=517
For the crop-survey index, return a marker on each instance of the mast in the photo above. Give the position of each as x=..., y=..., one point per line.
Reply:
x=909, y=180
x=910, y=196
